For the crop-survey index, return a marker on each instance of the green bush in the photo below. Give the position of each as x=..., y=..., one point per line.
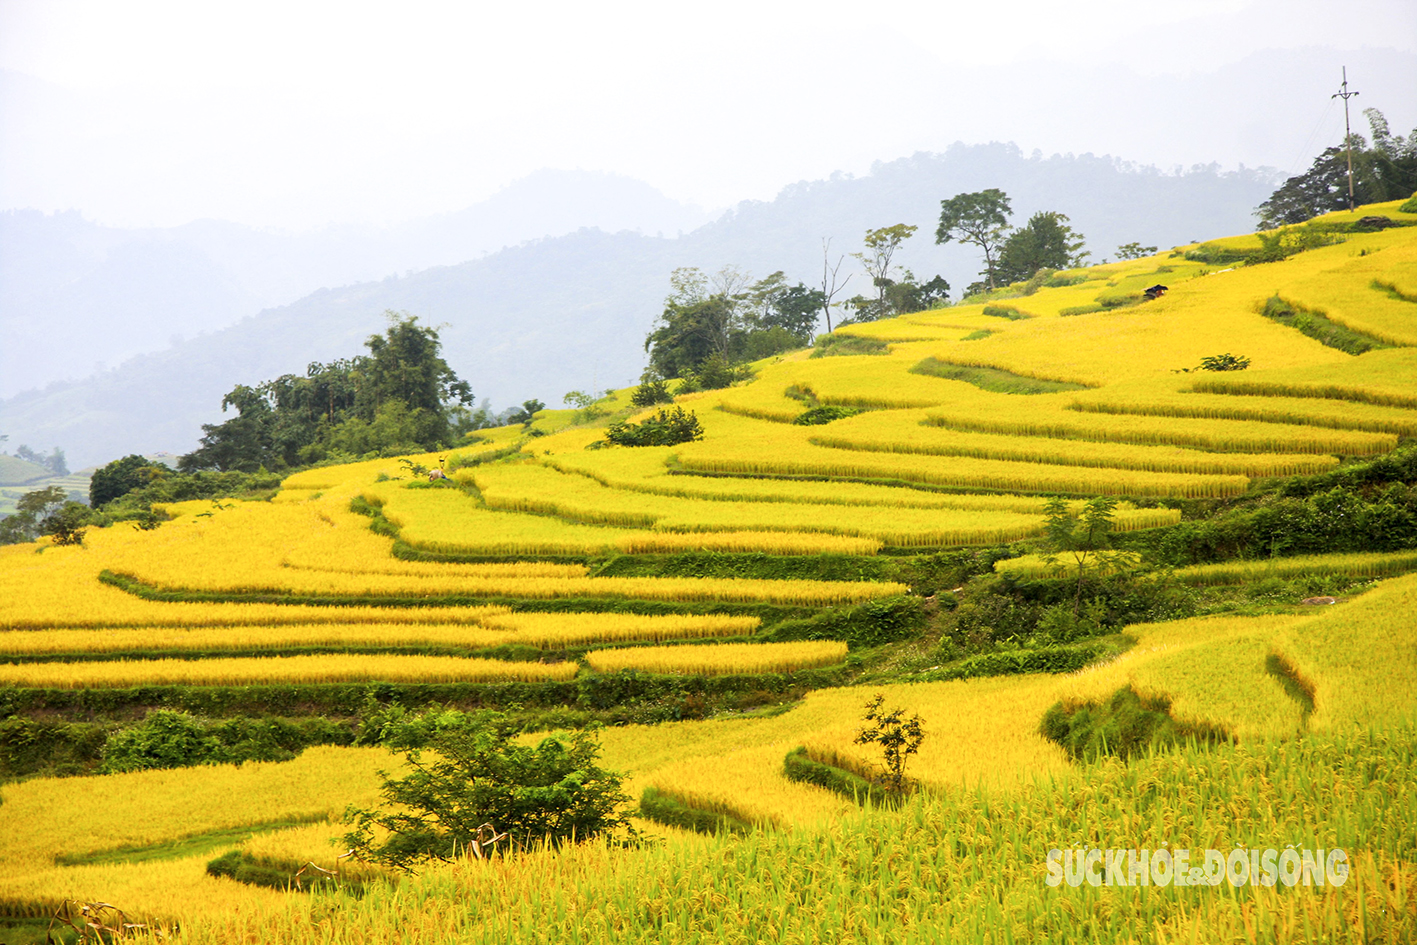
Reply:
x=824, y=414
x=1126, y=726
x=476, y=776
x=164, y=739
x=874, y=623
x=665, y=428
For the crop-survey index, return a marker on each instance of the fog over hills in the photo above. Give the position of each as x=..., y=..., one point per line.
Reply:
x=113, y=293
x=532, y=320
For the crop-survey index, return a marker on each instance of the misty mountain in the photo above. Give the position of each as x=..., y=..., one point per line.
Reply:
x=112, y=293
x=571, y=312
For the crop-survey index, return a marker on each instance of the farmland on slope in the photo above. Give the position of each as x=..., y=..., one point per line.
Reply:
x=725, y=602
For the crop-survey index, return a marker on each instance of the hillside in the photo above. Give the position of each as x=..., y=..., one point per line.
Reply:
x=1235, y=666
x=560, y=314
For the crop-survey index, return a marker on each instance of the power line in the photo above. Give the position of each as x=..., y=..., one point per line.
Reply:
x=1344, y=94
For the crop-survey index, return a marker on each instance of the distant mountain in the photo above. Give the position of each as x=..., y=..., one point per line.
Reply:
x=112, y=294
x=571, y=312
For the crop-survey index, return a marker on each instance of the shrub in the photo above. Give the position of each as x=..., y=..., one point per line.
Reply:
x=665, y=428
x=824, y=414
x=165, y=739
x=1126, y=726
x=1225, y=362
x=652, y=390
x=478, y=779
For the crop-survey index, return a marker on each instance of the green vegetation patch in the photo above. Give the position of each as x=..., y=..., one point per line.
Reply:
x=1320, y=328
x=801, y=767
x=995, y=380
x=1126, y=726
x=667, y=809
x=191, y=845
x=834, y=345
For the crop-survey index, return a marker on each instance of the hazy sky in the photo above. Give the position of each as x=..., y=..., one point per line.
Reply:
x=293, y=114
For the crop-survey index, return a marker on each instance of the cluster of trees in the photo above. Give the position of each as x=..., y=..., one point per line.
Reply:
x=54, y=462
x=1386, y=170
x=401, y=397
x=894, y=296
x=712, y=322
x=45, y=512
x=1046, y=241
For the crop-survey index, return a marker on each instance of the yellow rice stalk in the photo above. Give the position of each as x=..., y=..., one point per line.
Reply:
x=1358, y=564
x=719, y=659
x=532, y=629
x=239, y=671
x=902, y=432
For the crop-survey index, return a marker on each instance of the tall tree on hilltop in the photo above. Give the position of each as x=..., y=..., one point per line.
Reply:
x=1045, y=242
x=979, y=218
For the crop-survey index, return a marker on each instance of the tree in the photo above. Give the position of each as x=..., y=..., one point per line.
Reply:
x=121, y=477
x=898, y=737
x=881, y=245
x=1085, y=541
x=830, y=286
x=1134, y=251
x=686, y=336
x=795, y=310
x=1045, y=242
x=1386, y=171
x=44, y=512
x=54, y=462
x=479, y=777
x=980, y=218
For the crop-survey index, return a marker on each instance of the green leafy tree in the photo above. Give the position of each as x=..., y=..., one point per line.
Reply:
x=652, y=390
x=686, y=336
x=471, y=777
x=1134, y=251
x=898, y=736
x=981, y=219
x=1082, y=544
x=668, y=427
x=881, y=245
x=121, y=477
x=33, y=510
x=1045, y=242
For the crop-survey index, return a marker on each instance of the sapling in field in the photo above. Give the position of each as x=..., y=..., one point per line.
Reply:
x=898, y=737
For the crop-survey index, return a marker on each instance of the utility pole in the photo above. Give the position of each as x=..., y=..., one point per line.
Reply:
x=1344, y=94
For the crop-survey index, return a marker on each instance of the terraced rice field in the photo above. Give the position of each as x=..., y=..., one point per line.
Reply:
x=351, y=572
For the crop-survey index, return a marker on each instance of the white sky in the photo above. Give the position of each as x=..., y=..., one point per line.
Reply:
x=293, y=114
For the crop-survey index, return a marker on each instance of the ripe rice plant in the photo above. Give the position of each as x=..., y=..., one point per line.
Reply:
x=1358, y=564
x=1250, y=436
x=1158, y=401
x=152, y=808
x=654, y=478
x=1359, y=659
x=742, y=458
x=267, y=670
x=718, y=659
x=1382, y=377
x=1037, y=566
x=903, y=432
x=494, y=628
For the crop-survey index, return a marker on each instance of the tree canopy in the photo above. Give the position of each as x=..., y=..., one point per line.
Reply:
x=401, y=397
x=980, y=218
x=1385, y=171
x=1045, y=242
